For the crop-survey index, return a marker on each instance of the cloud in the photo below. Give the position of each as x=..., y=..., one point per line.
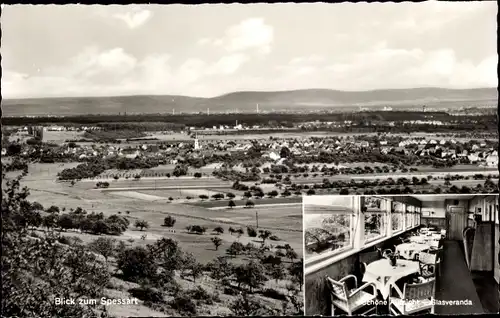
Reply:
x=228, y=64
x=134, y=19
x=250, y=34
x=96, y=72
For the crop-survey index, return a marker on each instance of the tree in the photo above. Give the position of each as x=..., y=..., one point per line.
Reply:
x=32, y=268
x=141, y=224
x=291, y=254
x=189, y=266
x=217, y=242
x=104, y=246
x=137, y=177
x=285, y=152
x=245, y=306
x=236, y=248
x=52, y=209
x=296, y=270
x=277, y=272
x=203, y=197
x=197, y=175
x=251, y=275
x=219, y=230
x=220, y=268
x=136, y=263
x=344, y=191
x=169, y=221
x=264, y=235
x=218, y=196
x=249, y=204
x=231, y=204
x=251, y=231
x=65, y=222
x=230, y=195
x=310, y=192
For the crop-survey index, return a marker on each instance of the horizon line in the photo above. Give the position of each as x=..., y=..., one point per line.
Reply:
x=255, y=91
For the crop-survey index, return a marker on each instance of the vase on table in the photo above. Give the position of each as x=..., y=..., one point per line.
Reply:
x=393, y=260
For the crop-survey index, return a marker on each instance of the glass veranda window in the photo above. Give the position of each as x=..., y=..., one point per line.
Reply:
x=375, y=218
x=328, y=222
x=397, y=216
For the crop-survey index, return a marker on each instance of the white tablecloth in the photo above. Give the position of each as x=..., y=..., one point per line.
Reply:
x=383, y=275
x=408, y=250
x=425, y=238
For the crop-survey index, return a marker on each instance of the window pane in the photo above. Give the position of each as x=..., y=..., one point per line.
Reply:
x=373, y=204
x=374, y=225
x=397, y=221
x=318, y=204
x=326, y=232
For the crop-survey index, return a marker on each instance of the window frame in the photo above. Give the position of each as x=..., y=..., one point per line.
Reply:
x=318, y=258
x=401, y=215
x=384, y=216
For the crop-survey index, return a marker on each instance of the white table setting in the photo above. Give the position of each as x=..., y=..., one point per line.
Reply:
x=408, y=250
x=383, y=274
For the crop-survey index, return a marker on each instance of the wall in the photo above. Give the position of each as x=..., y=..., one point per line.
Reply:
x=438, y=207
x=434, y=221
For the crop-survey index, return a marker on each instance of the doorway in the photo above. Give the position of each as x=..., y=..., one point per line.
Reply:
x=456, y=222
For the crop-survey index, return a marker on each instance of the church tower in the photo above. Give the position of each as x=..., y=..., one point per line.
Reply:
x=196, y=143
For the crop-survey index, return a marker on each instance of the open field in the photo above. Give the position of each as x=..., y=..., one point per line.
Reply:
x=285, y=221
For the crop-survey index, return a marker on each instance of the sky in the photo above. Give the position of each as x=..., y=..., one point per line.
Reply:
x=214, y=49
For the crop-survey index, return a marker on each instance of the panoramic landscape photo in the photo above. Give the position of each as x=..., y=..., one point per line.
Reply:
x=146, y=173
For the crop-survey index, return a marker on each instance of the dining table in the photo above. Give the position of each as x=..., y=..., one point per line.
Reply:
x=383, y=275
x=423, y=238
x=409, y=250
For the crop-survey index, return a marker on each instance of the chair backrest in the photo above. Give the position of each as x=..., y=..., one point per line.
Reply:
x=338, y=289
x=427, y=258
x=419, y=291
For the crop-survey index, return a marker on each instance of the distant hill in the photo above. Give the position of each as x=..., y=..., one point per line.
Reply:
x=247, y=101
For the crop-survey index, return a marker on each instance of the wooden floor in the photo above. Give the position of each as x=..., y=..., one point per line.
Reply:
x=487, y=289
x=456, y=283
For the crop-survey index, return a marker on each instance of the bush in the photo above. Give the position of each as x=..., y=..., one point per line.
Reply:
x=64, y=240
x=200, y=294
x=273, y=293
x=274, y=238
x=146, y=293
x=141, y=224
x=251, y=231
x=230, y=291
x=198, y=229
x=169, y=221
x=184, y=305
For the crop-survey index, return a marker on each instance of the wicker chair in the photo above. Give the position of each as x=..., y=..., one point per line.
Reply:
x=351, y=301
x=429, y=265
x=434, y=244
x=413, y=299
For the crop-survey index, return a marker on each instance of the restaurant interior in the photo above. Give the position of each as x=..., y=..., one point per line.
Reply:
x=401, y=255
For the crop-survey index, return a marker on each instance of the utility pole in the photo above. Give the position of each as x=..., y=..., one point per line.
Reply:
x=257, y=218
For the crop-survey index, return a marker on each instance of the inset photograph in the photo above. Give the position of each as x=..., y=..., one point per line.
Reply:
x=401, y=255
